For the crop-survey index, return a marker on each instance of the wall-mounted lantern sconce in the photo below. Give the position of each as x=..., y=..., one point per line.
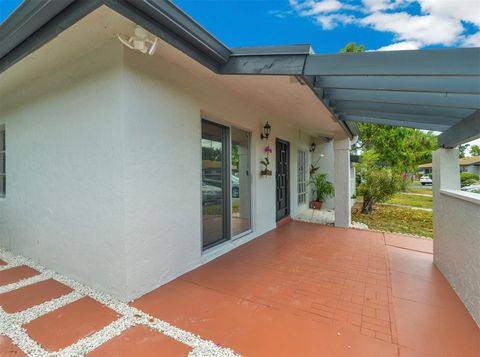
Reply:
x=313, y=147
x=266, y=131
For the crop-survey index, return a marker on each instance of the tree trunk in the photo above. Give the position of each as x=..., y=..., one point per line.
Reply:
x=367, y=205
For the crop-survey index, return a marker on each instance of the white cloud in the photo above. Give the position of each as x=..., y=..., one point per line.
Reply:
x=440, y=22
x=329, y=22
x=381, y=5
x=463, y=10
x=427, y=30
x=400, y=46
x=472, y=40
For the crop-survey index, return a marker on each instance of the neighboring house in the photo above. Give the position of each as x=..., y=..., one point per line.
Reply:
x=468, y=164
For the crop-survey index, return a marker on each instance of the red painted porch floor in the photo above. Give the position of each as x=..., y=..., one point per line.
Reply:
x=300, y=290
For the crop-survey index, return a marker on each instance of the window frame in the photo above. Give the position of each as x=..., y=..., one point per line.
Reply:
x=3, y=168
x=302, y=163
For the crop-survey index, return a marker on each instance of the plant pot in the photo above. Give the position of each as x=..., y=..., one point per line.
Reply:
x=316, y=204
x=266, y=173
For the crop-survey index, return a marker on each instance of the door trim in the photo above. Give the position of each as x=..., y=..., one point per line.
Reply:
x=287, y=193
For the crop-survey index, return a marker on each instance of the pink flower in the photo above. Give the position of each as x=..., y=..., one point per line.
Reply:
x=268, y=149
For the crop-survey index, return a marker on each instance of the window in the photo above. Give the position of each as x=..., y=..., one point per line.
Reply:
x=302, y=177
x=2, y=161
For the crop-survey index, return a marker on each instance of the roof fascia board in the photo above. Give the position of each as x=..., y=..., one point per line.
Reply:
x=435, y=62
x=35, y=14
x=466, y=130
x=444, y=84
x=276, y=64
x=178, y=22
x=57, y=23
x=191, y=48
x=273, y=50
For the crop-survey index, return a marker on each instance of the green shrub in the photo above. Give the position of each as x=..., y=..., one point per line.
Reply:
x=468, y=179
x=379, y=185
x=470, y=182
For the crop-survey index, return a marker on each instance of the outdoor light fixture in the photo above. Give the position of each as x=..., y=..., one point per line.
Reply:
x=266, y=131
x=313, y=147
x=140, y=41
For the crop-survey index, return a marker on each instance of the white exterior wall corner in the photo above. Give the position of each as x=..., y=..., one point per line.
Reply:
x=65, y=202
x=456, y=232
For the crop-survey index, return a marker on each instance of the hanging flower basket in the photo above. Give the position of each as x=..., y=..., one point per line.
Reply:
x=265, y=162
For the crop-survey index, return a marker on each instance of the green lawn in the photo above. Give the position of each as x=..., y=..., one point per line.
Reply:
x=426, y=191
x=412, y=200
x=397, y=220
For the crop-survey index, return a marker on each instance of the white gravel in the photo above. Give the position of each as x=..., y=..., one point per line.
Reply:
x=323, y=216
x=11, y=325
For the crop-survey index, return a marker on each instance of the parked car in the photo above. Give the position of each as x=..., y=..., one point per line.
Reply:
x=425, y=180
x=211, y=194
x=472, y=188
x=235, y=187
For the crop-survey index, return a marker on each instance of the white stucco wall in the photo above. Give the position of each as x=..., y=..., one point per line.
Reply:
x=104, y=168
x=323, y=157
x=64, y=202
x=163, y=167
x=456, y=231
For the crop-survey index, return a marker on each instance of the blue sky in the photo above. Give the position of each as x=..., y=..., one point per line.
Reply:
x=329, y=24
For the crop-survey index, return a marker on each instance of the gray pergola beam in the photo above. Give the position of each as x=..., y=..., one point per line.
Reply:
x=285, y=64
x=436, y=62
x=424, y=119
x=451, y=84
x=350, y=106
x=407, y=124
x=427, y=99
x=466, y=130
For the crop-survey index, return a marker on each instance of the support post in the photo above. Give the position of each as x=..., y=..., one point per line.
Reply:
x=343, y=216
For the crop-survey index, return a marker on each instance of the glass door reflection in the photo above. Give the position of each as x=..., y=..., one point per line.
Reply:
x=215, y=209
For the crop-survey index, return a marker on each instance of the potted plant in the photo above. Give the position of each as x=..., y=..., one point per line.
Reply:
x=322, y=189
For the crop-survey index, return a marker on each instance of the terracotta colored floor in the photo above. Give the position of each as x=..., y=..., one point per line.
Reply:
x=300, y=290
x=309, y=290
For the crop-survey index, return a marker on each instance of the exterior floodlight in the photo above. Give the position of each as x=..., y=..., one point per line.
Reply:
x=140, y=41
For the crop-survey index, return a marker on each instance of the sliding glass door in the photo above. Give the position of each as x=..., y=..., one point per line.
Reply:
x=226, y=183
